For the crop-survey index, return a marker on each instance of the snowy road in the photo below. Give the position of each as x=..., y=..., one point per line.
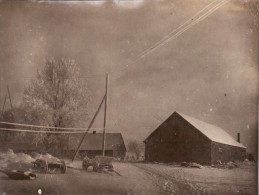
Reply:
x=140, y=178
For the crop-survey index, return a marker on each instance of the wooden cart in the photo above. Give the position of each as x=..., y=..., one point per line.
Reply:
x=98, y=163
x=45, y=166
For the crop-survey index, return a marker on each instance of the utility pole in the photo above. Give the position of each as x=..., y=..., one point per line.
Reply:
x=1, y=80
x=4, y=106
x=105, y=114
x=0, y=89
x=89, y=127
x=9, y=97
x=10, y=100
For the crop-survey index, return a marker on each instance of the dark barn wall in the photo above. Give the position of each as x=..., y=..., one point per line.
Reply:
x=88, y=153
x=175, y=141
x=119, y=150
x=113, y=153
x=226, y=153
x=119, y=153
x=93, y=153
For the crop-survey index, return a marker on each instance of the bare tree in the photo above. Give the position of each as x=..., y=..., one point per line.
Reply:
x=135, y=148
x=57, y=97
x=253, y=9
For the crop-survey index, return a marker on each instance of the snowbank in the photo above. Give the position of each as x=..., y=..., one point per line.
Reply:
x=22, y=161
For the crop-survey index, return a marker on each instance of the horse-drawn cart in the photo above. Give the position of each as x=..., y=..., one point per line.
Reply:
x=98, y=163
x=45, y=166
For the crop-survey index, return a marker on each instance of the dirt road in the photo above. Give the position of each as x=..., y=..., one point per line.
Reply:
x=143, y=179
x=131, y=181
x=205, y=181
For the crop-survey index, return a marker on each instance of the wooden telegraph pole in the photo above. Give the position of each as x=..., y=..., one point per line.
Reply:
x=105, y=114
x=89, y=127
x=4, y=105
x=104, y=100
x=9, y=95
x=10, y=100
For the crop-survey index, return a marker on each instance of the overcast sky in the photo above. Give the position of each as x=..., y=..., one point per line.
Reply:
x=210, y=72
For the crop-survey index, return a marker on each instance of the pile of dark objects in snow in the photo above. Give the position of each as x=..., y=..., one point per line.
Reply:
x=191, y=164
x=19, y=165
x=183, y=164
x=231, y=165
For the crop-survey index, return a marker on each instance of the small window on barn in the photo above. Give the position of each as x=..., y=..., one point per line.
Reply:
x=173, y=135
x=220, y=149
x=176, y=133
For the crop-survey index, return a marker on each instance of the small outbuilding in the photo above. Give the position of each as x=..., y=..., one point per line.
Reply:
x=183, y=138
x=92, y=145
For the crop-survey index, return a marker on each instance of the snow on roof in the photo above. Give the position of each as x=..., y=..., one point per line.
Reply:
x=212, y=132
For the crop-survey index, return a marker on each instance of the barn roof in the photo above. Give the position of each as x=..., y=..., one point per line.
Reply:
x=94, y=141
x=213, y=133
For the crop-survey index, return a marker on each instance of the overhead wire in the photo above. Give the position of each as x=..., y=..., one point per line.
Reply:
x=187, y=27
x=82, y=77
x=173, y=31
x=202, y=17
x=47, y=127
x=164, y=40
x=43, y=131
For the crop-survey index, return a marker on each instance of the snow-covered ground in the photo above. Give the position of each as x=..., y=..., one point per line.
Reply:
x=133, y=178
x=183, y=180
x=21, y=161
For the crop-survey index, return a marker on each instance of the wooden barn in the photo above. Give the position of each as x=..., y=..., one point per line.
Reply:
x=92, y=145
x=183, y=138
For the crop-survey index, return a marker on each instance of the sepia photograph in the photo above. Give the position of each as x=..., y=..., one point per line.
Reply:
x=129, y=97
